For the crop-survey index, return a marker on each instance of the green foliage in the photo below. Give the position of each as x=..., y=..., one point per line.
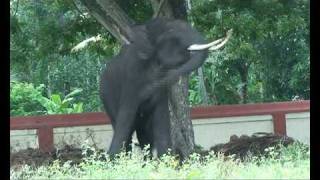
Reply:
x=139, y=10
x=292, y=162
x=55, y=105
x=25, y=99
x=42, y=36
x=194, y=95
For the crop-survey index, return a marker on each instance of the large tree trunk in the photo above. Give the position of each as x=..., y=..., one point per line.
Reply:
x=114, y=19
x=182, y=135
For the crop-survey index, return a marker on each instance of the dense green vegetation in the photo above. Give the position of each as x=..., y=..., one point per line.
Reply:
x=25, y=99
x=292, y=162
x=266, y=60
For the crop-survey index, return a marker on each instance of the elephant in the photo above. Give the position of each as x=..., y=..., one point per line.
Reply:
x=134, y=84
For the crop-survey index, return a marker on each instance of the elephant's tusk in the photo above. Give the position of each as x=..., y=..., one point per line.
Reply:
x=204, y=46
x=213, y=45
x=229, y=33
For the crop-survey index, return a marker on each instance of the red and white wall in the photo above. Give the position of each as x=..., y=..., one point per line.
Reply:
x=212, y=125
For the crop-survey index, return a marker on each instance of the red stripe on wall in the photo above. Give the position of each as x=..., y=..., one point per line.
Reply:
x=250, y=109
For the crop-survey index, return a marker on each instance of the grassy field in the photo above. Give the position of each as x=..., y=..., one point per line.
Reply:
x=292, y=162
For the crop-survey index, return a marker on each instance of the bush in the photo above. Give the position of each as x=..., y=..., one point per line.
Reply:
x=25, y=99
x=55, y=105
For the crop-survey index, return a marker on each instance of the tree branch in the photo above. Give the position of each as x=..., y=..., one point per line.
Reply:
x=112, y=17
x=161, y=8
x=157, y=12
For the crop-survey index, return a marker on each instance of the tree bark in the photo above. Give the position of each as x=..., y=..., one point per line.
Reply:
x=182, y=135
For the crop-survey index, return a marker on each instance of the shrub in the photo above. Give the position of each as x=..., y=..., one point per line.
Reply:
x=55, y=105
x=293, y=163
x=25, y=99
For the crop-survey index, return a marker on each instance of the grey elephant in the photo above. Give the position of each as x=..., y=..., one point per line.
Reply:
x=134, y=85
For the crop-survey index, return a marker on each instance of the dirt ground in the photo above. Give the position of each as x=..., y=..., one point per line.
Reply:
x=240, y=146
x=34, y=157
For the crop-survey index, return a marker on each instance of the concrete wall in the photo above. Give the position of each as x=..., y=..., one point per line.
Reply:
x=298, y=126
x=23, y=139
x=208, y=132
x=100, y=135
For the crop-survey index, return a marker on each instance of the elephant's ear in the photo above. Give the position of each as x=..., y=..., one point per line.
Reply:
x=140, y=43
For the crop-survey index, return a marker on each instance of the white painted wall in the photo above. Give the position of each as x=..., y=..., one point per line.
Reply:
x=208, y=132
x=298, y=126
x=100, y=135
x=23, y=139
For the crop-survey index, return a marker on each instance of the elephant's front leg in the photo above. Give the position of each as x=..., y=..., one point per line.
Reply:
x=161, y=126
x=123, y=127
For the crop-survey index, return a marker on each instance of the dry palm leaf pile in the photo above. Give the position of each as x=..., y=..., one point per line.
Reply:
x=240, y=146
x=255, y=145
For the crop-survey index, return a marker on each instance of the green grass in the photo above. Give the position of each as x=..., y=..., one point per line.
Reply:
x=292, y=162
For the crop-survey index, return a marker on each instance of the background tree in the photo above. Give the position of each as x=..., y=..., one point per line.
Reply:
x=269, y=45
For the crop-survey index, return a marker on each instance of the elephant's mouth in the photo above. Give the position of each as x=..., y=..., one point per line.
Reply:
x=214, y=45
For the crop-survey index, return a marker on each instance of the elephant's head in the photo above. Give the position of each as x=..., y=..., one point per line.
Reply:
x=180, y=49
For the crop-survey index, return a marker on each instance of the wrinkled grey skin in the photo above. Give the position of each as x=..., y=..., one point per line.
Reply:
x=134, y=85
